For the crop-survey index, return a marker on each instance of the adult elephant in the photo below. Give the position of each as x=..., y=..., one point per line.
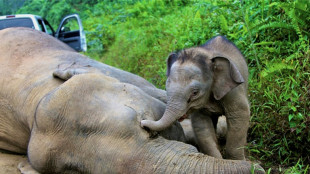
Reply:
x=208, y=81
x=87, y=124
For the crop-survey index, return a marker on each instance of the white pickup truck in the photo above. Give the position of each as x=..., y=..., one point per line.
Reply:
x=70, y=30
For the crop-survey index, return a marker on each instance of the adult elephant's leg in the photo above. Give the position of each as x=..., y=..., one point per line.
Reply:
x=205, y=134
x=238, y=117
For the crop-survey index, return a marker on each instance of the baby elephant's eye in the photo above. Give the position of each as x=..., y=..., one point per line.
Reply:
x=193, y=96
x=195, y=93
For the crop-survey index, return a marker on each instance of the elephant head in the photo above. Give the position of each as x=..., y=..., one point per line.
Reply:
x=196, y=76
x=91, y=124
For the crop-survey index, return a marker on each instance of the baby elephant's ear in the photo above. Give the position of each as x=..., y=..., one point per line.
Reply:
x=171, y=59
x=226, y=76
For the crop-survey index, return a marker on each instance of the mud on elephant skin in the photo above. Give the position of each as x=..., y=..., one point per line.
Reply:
x=208, y=81
x=87, y=124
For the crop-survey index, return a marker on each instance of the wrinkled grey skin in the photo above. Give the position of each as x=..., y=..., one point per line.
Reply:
x=87, y=124
x=207, y=82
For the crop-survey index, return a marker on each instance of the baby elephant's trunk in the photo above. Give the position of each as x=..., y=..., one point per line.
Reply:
x=170, y=116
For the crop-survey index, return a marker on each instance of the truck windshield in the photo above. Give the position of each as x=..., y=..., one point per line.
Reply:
x=16, y=22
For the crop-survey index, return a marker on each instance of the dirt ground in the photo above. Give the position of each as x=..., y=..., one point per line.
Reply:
x=9, y=162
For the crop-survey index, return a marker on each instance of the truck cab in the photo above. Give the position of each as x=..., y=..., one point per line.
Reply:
x=70, y=30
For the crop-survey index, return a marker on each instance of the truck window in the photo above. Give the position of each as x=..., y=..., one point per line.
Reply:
x=16, y=22
x=41, y=25
x=49, y=28
x=70, y=24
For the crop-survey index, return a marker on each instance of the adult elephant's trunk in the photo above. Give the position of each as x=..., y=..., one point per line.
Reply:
x=164, y=156
x=173, y=112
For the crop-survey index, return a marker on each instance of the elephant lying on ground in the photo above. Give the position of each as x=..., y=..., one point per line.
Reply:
x=89, y=123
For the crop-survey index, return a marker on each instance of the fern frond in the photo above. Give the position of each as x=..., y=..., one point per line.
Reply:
x=301, y=6
x=293, y=56
x=223, y=23
x=296, y=11
x=276, y=25
x=296, y=27
x=255, y=26
x=275, y=67
x=263, y=43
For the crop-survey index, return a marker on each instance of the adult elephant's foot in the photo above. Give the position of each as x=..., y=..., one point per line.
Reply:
x=25, y=168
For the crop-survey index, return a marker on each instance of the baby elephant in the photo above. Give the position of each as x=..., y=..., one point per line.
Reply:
x=208, y=81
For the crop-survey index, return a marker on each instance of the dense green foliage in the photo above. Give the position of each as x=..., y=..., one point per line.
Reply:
x=8, y=7
x=273, y=35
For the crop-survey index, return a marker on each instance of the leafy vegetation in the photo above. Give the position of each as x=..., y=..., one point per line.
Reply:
x=273, y=35
x=8, y=7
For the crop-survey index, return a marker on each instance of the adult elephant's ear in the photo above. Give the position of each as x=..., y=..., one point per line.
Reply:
x=171, y=59
x=226, y=76
x=65, y=72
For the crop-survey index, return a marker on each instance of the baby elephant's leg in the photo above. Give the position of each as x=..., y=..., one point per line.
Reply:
x=205, y=134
